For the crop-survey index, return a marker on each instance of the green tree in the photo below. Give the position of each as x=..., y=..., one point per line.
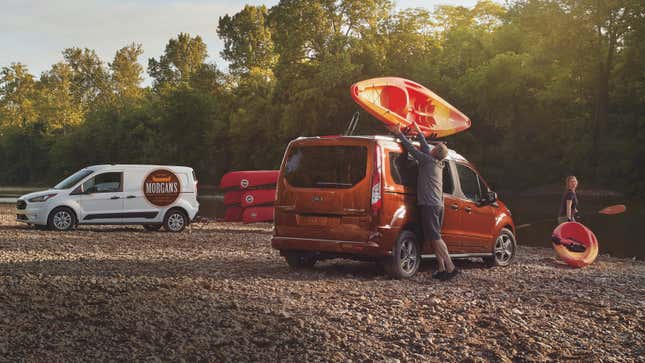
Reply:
x=248, y=45
x=183, y=57
x=89, y=76
x=17, y=95
x=126, y=72
x=59, y=102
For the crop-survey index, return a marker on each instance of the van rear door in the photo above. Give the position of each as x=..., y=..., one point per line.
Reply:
x=324, y=189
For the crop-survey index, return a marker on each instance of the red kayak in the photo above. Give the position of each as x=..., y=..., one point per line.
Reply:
x=249, y=179
x=233, y=214
x=575, y=244
x=400, y=102
x=257, y=197
x=232, y=197
x=258, y=214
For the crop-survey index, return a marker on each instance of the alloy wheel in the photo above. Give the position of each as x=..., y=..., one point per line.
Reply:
x=62, y=220
x=409, y=258
x=503, y=249
x=176, y=221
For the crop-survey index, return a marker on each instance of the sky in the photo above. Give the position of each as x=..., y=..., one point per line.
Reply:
x=34, y=32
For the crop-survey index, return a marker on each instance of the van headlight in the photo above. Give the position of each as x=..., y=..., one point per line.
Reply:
x=42, y=198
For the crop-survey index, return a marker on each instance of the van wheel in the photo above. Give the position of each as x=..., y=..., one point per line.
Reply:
x=175, y=221
x=61, y=219
x=300, y=260
x=406, y=256
x=503, y=249
x=152, y=227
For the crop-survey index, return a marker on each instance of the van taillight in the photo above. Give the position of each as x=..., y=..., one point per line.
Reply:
x=377, y=183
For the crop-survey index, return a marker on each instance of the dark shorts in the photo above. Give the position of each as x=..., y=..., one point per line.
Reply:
x=431, y=221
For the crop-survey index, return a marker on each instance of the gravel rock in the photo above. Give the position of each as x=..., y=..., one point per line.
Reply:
x=220, y=293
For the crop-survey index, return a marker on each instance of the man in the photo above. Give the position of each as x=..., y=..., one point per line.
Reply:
x=430, y=197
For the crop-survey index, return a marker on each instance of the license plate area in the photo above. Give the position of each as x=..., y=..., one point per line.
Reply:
x=313, y=220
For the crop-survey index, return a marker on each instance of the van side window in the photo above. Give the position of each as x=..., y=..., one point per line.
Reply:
x=104, y=183
x=469, y=183
x=404, y=171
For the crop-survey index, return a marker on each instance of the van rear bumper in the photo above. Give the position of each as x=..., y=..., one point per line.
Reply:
x=326, y=245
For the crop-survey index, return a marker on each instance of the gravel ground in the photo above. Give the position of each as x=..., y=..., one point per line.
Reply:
x=220, y=293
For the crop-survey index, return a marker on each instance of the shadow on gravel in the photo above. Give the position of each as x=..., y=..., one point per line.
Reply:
x=229, y=268
x=553, y=262
x=82, y=229
x=138, y=229
x=228, y=230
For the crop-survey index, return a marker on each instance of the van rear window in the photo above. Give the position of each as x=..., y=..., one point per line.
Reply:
x=326, y=166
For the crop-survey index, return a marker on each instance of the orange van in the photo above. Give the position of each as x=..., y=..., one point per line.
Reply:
x=355, y=197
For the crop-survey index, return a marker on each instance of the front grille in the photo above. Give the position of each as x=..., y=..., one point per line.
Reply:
x=21, y=204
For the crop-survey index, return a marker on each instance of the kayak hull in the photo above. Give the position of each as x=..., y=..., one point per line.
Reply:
x=402, y=103
x=249, y=179
x=233, y=214
x=232, y=197
x=575, y=233
x=258, y=214
x=255, y=197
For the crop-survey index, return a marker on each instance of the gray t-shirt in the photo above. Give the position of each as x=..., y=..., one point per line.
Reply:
x=430, y=177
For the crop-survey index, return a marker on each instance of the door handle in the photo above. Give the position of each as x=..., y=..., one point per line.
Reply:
x=115, y=197
x=468, y=209
x=454, y=206
x=131, y=196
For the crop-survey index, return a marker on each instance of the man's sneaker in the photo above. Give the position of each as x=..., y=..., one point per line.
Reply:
x=438, y=275
x=449, y=275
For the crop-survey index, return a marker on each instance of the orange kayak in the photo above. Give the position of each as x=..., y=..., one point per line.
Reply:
x=575, y=244
x=401, y=102
x=258, y=214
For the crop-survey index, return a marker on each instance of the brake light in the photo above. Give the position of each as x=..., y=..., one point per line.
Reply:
x=377, y=184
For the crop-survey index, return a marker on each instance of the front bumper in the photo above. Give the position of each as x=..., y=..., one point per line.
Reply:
x=32, y=214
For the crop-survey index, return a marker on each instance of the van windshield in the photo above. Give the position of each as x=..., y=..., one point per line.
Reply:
x=71, y=180
x=326, y=166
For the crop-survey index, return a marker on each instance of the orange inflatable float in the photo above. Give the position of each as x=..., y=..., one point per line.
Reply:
x=575, y=244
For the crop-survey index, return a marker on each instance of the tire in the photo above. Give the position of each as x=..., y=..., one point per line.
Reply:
x=61, y=219
x=175, y=220
x=406, y=256
x=152, y=227
x=300, y=260
x=504, y=249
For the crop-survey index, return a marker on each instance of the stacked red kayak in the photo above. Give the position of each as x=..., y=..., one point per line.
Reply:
x=250, y=195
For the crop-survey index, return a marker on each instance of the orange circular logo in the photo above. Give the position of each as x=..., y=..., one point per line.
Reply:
x=161, y=187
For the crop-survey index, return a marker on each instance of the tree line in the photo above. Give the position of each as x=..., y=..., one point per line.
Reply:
x=552, y=86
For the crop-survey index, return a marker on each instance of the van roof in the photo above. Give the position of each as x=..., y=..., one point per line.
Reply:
x=184, y=169
x=452, y=154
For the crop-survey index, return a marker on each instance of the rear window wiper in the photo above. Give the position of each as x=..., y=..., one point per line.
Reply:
x=333, y=184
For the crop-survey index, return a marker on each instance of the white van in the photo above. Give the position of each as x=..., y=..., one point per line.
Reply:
x=150, y=195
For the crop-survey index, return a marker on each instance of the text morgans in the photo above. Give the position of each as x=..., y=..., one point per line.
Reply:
x=162, y=188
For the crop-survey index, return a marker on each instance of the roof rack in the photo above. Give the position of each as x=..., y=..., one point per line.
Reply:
x=351, y=127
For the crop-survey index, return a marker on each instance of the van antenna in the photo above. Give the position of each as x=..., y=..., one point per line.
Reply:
x=352, y=124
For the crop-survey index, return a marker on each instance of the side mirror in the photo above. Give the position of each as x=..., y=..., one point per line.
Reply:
x=491, y=197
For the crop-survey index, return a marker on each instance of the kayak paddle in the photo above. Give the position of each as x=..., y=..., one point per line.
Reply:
x=610, y=210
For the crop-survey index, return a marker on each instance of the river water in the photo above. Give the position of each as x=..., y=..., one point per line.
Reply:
x=618, y=235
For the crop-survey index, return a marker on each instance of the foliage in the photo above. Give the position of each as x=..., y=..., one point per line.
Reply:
x=553, y=87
